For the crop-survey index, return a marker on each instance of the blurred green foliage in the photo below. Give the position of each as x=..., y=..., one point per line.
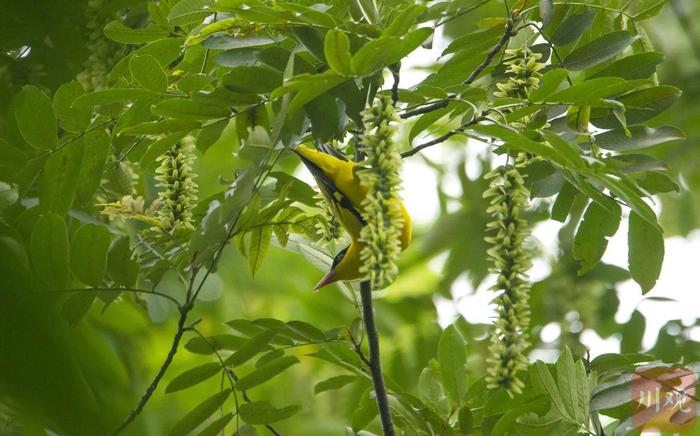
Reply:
x=77, y=363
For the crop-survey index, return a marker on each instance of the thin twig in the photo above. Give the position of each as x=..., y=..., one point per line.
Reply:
x=507, y=34
x=374, y=359
x=184, y=311
x=395, y=69
x=442, y=138
x=425, y=109
x=133, y=290
x=460, y=13
x=549, y=42
x=430, y=107
x=79, y=135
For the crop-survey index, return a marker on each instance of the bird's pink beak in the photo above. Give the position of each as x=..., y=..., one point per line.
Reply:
x=325, y=281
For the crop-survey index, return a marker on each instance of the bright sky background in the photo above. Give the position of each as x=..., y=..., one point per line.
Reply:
x=676, y=279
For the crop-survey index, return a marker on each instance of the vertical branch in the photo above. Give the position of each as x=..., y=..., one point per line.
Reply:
x=184, y=311
x=374, y=359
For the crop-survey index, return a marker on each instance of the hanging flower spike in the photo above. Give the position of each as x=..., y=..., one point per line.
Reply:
x=327, y=226
x=381, y=210
x=511, y=261
x=523, y=70
x=178, y=193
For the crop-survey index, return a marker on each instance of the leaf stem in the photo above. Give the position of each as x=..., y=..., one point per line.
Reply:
x=374, y=359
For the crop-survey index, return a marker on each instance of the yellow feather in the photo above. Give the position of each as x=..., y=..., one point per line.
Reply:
x=333, y=174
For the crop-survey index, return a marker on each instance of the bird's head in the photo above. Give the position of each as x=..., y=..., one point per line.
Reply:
x=345, y=266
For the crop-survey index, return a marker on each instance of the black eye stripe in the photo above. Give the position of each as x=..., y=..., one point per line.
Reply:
x=338, y=257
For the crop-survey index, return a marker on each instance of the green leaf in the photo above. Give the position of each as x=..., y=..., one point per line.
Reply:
x=326, y=116
x=225, y=42
x=312, y=86
x=35, y=118
x=430, y=388
x=593, y=89
x=77, y=306
x=544, y=382
x=254, y=345
x=573, y=27
x=567, y=381
x=71, y=119
x=598, y=51
x=88, y=257
x=120, y=266
x=465, y=420
x=193, y=376
x=96, y=147
x=254, y=79
x=636, y=66
x=642, y=105
x=217, y=426
x=646, y=252
x=146, y=70
x=640, y=137
x=548, y=84
x=304, y=331
x=199, y=345
x=452, y=359
x=386, y=50
x=612, y=361
x=49, y=250
x=161, y=127
x=266, y=372
x=262, y=412
x=260, y=238
x=59, y=178
x=117, y=31
x=365, y=411
x=185, y=109
x=546, y=11
x=404, y=20
x=112, y=95
x=517, y=141
x=334, y=383
x=189, y=12
x=428, y=120
x=200, y=413
x=591, y=239
x=336, y=48
x=562, y=205
x=474, y=42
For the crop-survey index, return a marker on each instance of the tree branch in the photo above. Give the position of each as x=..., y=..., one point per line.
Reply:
x=507, y=34
x=395, y=72
x=184, y=311
x=374, y=359
x=443, y=138
x=425, y=109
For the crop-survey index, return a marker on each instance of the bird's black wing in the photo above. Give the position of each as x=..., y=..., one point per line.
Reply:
x=335, y=197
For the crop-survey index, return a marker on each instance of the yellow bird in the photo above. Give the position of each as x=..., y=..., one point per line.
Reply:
x=337, y=179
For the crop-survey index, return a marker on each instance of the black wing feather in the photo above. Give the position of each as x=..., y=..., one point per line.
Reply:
x=329, y=189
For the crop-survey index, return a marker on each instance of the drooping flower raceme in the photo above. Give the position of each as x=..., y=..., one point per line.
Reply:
x=507, y=231
x=327, y=226
x=178, y=193
x=381, y=209
x=509, y=197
